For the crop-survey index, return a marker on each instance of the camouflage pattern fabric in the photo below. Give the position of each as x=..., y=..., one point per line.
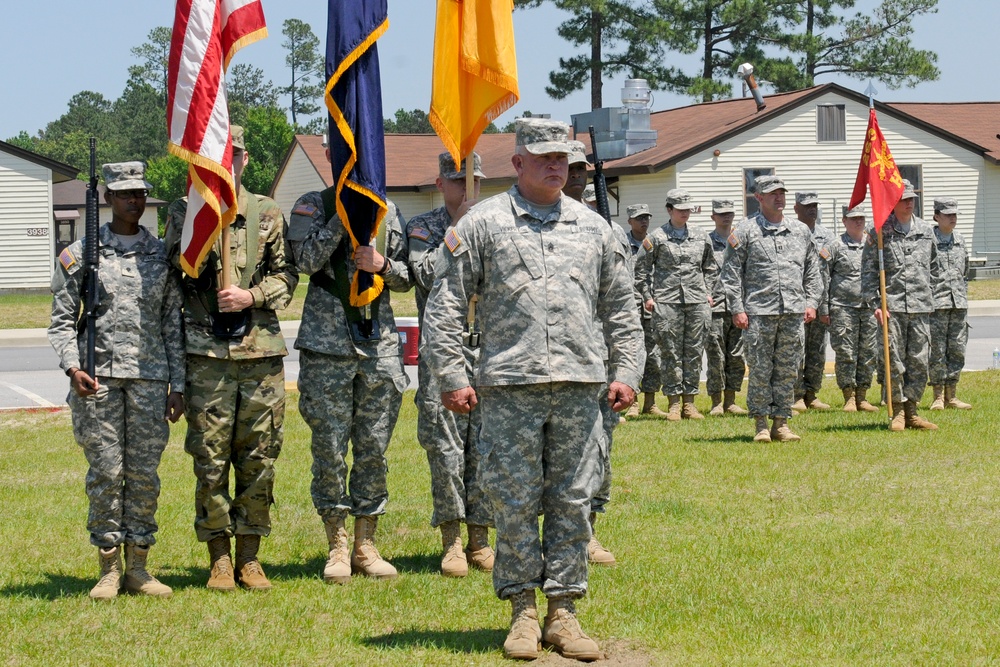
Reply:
x=814, y=359
x=650, y=382
x=853, y=334
x=773, y=346
x=680, y=330
x=949, y=322
x=951, y=291
x=609, y=421
x=723, y=340
x=909, y=354
x=235, y=414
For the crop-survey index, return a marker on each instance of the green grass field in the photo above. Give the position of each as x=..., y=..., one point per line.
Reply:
x=853, y=547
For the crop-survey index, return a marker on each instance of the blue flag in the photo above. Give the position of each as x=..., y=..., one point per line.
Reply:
x=357, y=143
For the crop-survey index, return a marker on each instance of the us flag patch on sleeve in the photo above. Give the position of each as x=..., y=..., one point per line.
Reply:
x=304, y=209
x=67, y=259
x=452, y=241
x=647, y=244
x=733, y=240
x=420, y=233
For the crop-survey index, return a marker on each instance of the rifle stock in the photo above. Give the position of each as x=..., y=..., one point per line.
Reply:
x=91, y=258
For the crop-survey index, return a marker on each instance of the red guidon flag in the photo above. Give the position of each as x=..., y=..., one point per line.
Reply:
x=877, y=172
x=207, y=33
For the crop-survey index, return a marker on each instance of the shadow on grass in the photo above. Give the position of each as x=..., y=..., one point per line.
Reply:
x=418, y=563
x=458, y=641
x=54, y=587
x=867, y=427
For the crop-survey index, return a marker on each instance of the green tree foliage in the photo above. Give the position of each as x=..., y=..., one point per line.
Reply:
x=268, y=136
x=25, y=141
x=304, y=61
x=408, y=122
x=168, y=175
x=154, y=56
x=246, y=86
x=139, y=119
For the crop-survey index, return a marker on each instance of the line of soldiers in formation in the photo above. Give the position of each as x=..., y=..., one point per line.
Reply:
x=554, y=351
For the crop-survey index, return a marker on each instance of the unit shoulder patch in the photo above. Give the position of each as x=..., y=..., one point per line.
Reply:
x=734, y=240
x=647, y=245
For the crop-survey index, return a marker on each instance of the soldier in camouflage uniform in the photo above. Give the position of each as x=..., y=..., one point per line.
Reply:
x=676, y=273
x=911, y=272
x=814, y=357
x=555, y=304
x=723, y=341
x=949, y=321
x=772, y=281
x=236, y=379
x=120, y=415
x=450, y=439
x=638, y=221
x=351, y=375
x=852, y=328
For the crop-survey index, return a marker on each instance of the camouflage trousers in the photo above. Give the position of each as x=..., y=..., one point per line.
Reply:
x=543, y=451
x=123, y=433
x=724, y=350
x=680, y=330
x=909, y=353
x=773, y=347
x=810, y=378
x=451, y=441
x=853, y=334
x=949, y=338
x=650, y=383
x=235, y=414
x=357, y=400
x=609, y=419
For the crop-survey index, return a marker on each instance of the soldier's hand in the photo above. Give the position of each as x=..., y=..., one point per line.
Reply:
x=464, y=208
x=175, y=407
x=620, y=396
x=83, y=384
x=461, y=400
x=878, y=317
x=741, y=321
x=368, y=259
x=810, y=315
x=711, y=301
x=650, y=305
x=234, y=299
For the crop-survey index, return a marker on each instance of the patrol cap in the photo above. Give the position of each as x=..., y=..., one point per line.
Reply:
x=679, y=199
x=946, y=205
x=635, y=210
x=237, y=132
x=125, y=176
x=579, y=153
x=723, y=206
x=856, y=212
x=539, y=136
x=589, y=193
x=806, y=198
x=446, y=167
x=908, y=192
x=768, y=183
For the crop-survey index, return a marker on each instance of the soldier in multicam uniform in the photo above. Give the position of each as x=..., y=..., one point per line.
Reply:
x=638, y=222
x=676, y=272
x=120, y=416
x=852, y=328
x=911, y=272
x=351, y=380
x=949, y=321
x=814, y=358
x=450, y=439
x=236, y=379
x=772, y=281
x=555, y=301
x=723, y=341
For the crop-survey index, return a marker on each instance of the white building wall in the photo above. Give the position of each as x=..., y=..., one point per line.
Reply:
x=649, y=189
x=298, y=178
x=986, y=223
x=26, y=224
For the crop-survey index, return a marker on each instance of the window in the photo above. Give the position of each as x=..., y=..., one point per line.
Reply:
x=750, y=205
x=912, y=173
x=830, y=123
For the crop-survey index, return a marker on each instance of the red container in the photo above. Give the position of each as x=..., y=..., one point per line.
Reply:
x=409, y=336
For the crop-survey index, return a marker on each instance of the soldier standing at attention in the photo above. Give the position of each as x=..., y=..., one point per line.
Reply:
x=236, y=379
x=120, y=416
x=450, y=439
x=814, y=359
x=911, y=272
x=676, y=274
x=852, y=328
x=772, y=281
x=724, y=341
x=638, y=222
x=949, y=321
x=351, y=381
x=558, y=322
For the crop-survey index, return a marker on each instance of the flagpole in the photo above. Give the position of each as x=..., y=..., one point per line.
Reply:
x=470, y=178
x=885, y=324
x=225, y=278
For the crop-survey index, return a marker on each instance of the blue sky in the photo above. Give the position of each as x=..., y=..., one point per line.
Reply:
x=52, y=50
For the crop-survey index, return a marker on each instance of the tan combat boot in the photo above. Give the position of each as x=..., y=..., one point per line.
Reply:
x=365, y=558
x=562, y=632
x=799, y=406
x=898, y=422
x=814, y=403
x=110, y=582
x=674, y=408
x=938, y=402
x=137, y=580
x=860, y=398
x=338, y=563
x=597, y=554
x=689, y=411
x=952, y=401
x=249, y=572
x=780, y=432
x=915, y=421
x=524, y=640
x=717, y=408
x=850, y=402
x=633, y=410
x=762, y=432
x=649, y=406
x=478, y=551
x=221, y=578
x=729, y=403
x=453, y=562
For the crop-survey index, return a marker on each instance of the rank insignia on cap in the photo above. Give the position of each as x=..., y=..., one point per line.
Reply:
x=733, y=241
x=646, y=244
x=304, y=209
x=452, y=241
x=67, y=259
x=420, y=233
x=824, y=253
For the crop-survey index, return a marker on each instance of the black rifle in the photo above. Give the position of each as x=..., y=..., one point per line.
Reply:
x=600, y=185
x=91, y=295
